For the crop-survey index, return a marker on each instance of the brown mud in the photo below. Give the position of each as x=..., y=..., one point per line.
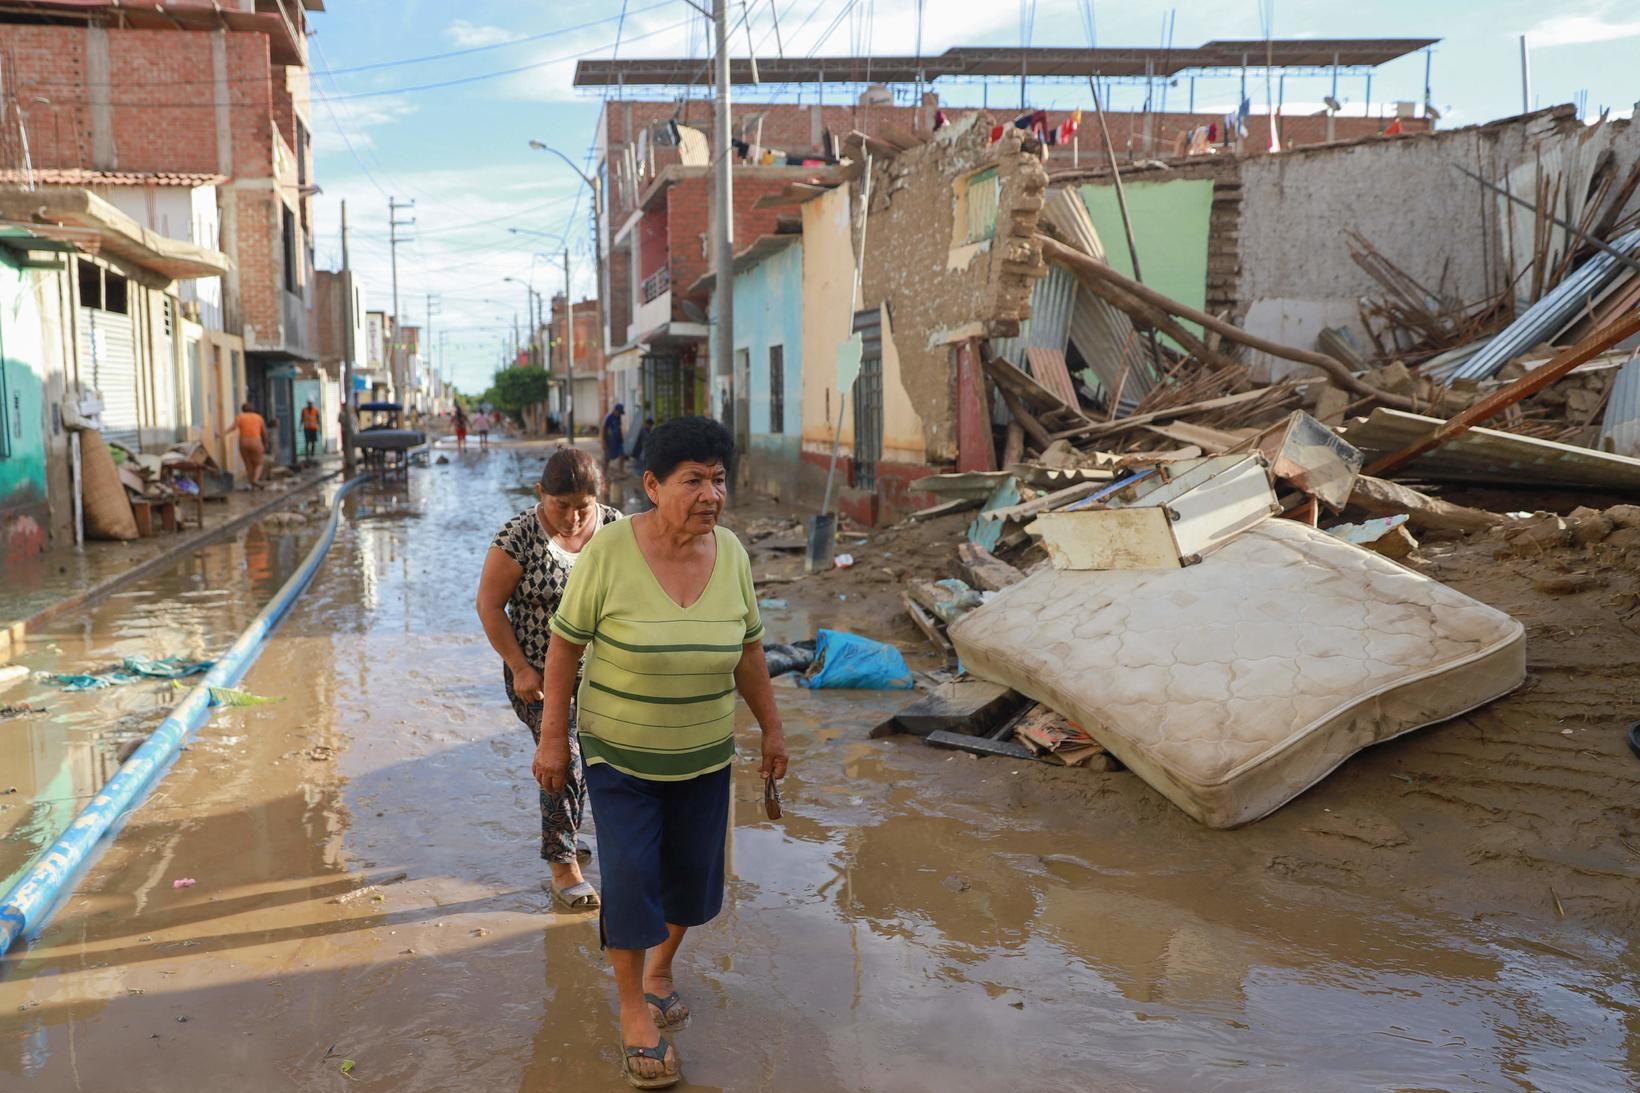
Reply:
x=1452, y=910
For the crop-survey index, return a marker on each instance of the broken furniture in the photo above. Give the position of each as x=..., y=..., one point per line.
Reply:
x=1235, y=685
x=1163, y=518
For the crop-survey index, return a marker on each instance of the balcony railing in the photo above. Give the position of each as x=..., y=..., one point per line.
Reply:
x=656, y=283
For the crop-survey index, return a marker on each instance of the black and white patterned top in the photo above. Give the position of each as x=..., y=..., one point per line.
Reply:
x=546, y=571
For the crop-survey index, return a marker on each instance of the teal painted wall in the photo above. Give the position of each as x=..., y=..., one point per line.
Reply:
x=769, y=312
x=1170, y=226
x=25, y=516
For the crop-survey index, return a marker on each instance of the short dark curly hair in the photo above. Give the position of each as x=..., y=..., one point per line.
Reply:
x=687, y=440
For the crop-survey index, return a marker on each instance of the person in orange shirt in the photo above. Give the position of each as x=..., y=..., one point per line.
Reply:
x=253, y=441
x=310, y=426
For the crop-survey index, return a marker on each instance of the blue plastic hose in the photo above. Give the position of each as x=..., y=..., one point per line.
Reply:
x=32, y=899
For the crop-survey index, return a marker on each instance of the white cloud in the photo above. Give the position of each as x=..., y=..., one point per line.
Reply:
x=466, y=35
x=1581, y=29
x=356, y=118
x=461, y=249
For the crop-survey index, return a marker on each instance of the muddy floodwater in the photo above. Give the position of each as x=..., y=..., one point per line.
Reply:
x=368, y=911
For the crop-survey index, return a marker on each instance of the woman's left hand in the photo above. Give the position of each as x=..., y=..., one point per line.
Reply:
x=774, y=754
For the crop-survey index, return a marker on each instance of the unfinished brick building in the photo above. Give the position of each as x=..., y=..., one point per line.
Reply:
x=142, y=94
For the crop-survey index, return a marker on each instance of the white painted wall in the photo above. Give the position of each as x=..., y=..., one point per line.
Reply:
x=1405, y=197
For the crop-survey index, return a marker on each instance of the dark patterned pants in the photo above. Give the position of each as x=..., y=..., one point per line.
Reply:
x=560, y=812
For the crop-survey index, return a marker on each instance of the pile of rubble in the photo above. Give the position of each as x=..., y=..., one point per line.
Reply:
x=1121, y=480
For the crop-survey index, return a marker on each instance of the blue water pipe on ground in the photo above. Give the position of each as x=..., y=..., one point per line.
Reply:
x=32, y=899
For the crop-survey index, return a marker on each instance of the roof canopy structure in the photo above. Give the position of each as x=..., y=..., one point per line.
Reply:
x=983, y=62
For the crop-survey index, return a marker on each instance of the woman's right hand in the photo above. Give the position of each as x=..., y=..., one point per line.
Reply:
x=528, y=685
x=551, y=766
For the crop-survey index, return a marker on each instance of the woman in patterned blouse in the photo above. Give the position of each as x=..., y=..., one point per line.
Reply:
x=524, y=576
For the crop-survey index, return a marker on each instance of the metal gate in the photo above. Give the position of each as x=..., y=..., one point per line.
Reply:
x=868, y=400
x=663, y=393
x=107, y=344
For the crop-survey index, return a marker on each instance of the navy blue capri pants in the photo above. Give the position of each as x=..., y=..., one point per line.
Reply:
x=660, y=852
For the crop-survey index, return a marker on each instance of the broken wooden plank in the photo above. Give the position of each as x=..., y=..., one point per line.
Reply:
x=946, y=508
x=979, y=745
x=927, y=624
x=1380, y=498
x=1122, y=424
x=985, y=570
x=965, y=705
x=1012, y=380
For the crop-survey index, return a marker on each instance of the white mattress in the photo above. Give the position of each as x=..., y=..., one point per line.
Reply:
x=1234, y=685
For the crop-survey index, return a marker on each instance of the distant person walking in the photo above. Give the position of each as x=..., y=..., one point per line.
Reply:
x=614, y=442
x=525, y=574
x=253, y=442
x=481, y=426
x=310, y=427
x=459, y=420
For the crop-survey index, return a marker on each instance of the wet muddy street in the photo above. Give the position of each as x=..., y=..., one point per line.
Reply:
x=369, y=892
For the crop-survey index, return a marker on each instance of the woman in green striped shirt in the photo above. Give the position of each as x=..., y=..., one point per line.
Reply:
x=663, y=607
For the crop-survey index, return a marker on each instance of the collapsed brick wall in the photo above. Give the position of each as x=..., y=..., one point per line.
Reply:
x=911, y=265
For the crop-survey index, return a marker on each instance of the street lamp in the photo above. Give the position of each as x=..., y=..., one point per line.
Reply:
x=594, y=185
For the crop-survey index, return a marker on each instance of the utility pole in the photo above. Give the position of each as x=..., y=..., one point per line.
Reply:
x=348, y=319
x=723, y=224
x=1525, y=78
x=569, y=347
x=396, y=354
x=427, y=339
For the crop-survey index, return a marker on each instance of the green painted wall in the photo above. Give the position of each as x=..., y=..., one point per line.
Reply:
x=24, y=513
x=1170, y=226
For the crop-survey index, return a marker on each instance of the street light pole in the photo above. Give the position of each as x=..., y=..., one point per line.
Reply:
x=569, y=351
x=595, y=184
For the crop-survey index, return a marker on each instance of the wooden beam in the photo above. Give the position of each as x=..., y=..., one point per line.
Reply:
x=1084, y=265
x=1497, y=402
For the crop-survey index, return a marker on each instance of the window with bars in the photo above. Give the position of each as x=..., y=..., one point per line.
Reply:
x=777, y=388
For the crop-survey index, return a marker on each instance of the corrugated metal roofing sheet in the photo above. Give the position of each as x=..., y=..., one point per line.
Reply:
x=1549, y=316
x=1620, y=432
x=1486, y=455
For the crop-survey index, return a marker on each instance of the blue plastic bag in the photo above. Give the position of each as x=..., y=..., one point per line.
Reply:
x=850, y=661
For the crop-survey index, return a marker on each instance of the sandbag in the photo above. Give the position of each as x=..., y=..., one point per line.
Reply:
x=107, y=509
x=850, y=661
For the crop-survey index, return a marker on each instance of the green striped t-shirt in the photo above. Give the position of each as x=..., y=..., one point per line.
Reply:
x=657, y=697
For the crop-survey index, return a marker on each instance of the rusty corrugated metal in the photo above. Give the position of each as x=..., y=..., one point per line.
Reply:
x=1049, y=326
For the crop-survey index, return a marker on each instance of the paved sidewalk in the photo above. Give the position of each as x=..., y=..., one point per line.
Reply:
x=68, y=577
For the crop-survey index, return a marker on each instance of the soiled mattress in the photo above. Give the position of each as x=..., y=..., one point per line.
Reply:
x=1234, y=685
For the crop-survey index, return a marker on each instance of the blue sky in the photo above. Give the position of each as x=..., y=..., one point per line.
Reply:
x=461, y=150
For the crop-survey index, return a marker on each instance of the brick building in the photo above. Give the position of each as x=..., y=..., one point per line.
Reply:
x=591, y=395
x=206, y=88
x=657, y=195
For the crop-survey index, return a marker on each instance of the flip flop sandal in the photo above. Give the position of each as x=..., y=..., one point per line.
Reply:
x=583, y=852
x=666, y=1006
x=658, y=1053
x=577, y=897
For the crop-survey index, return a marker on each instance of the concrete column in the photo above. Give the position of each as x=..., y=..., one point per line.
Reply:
x=104, y=156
